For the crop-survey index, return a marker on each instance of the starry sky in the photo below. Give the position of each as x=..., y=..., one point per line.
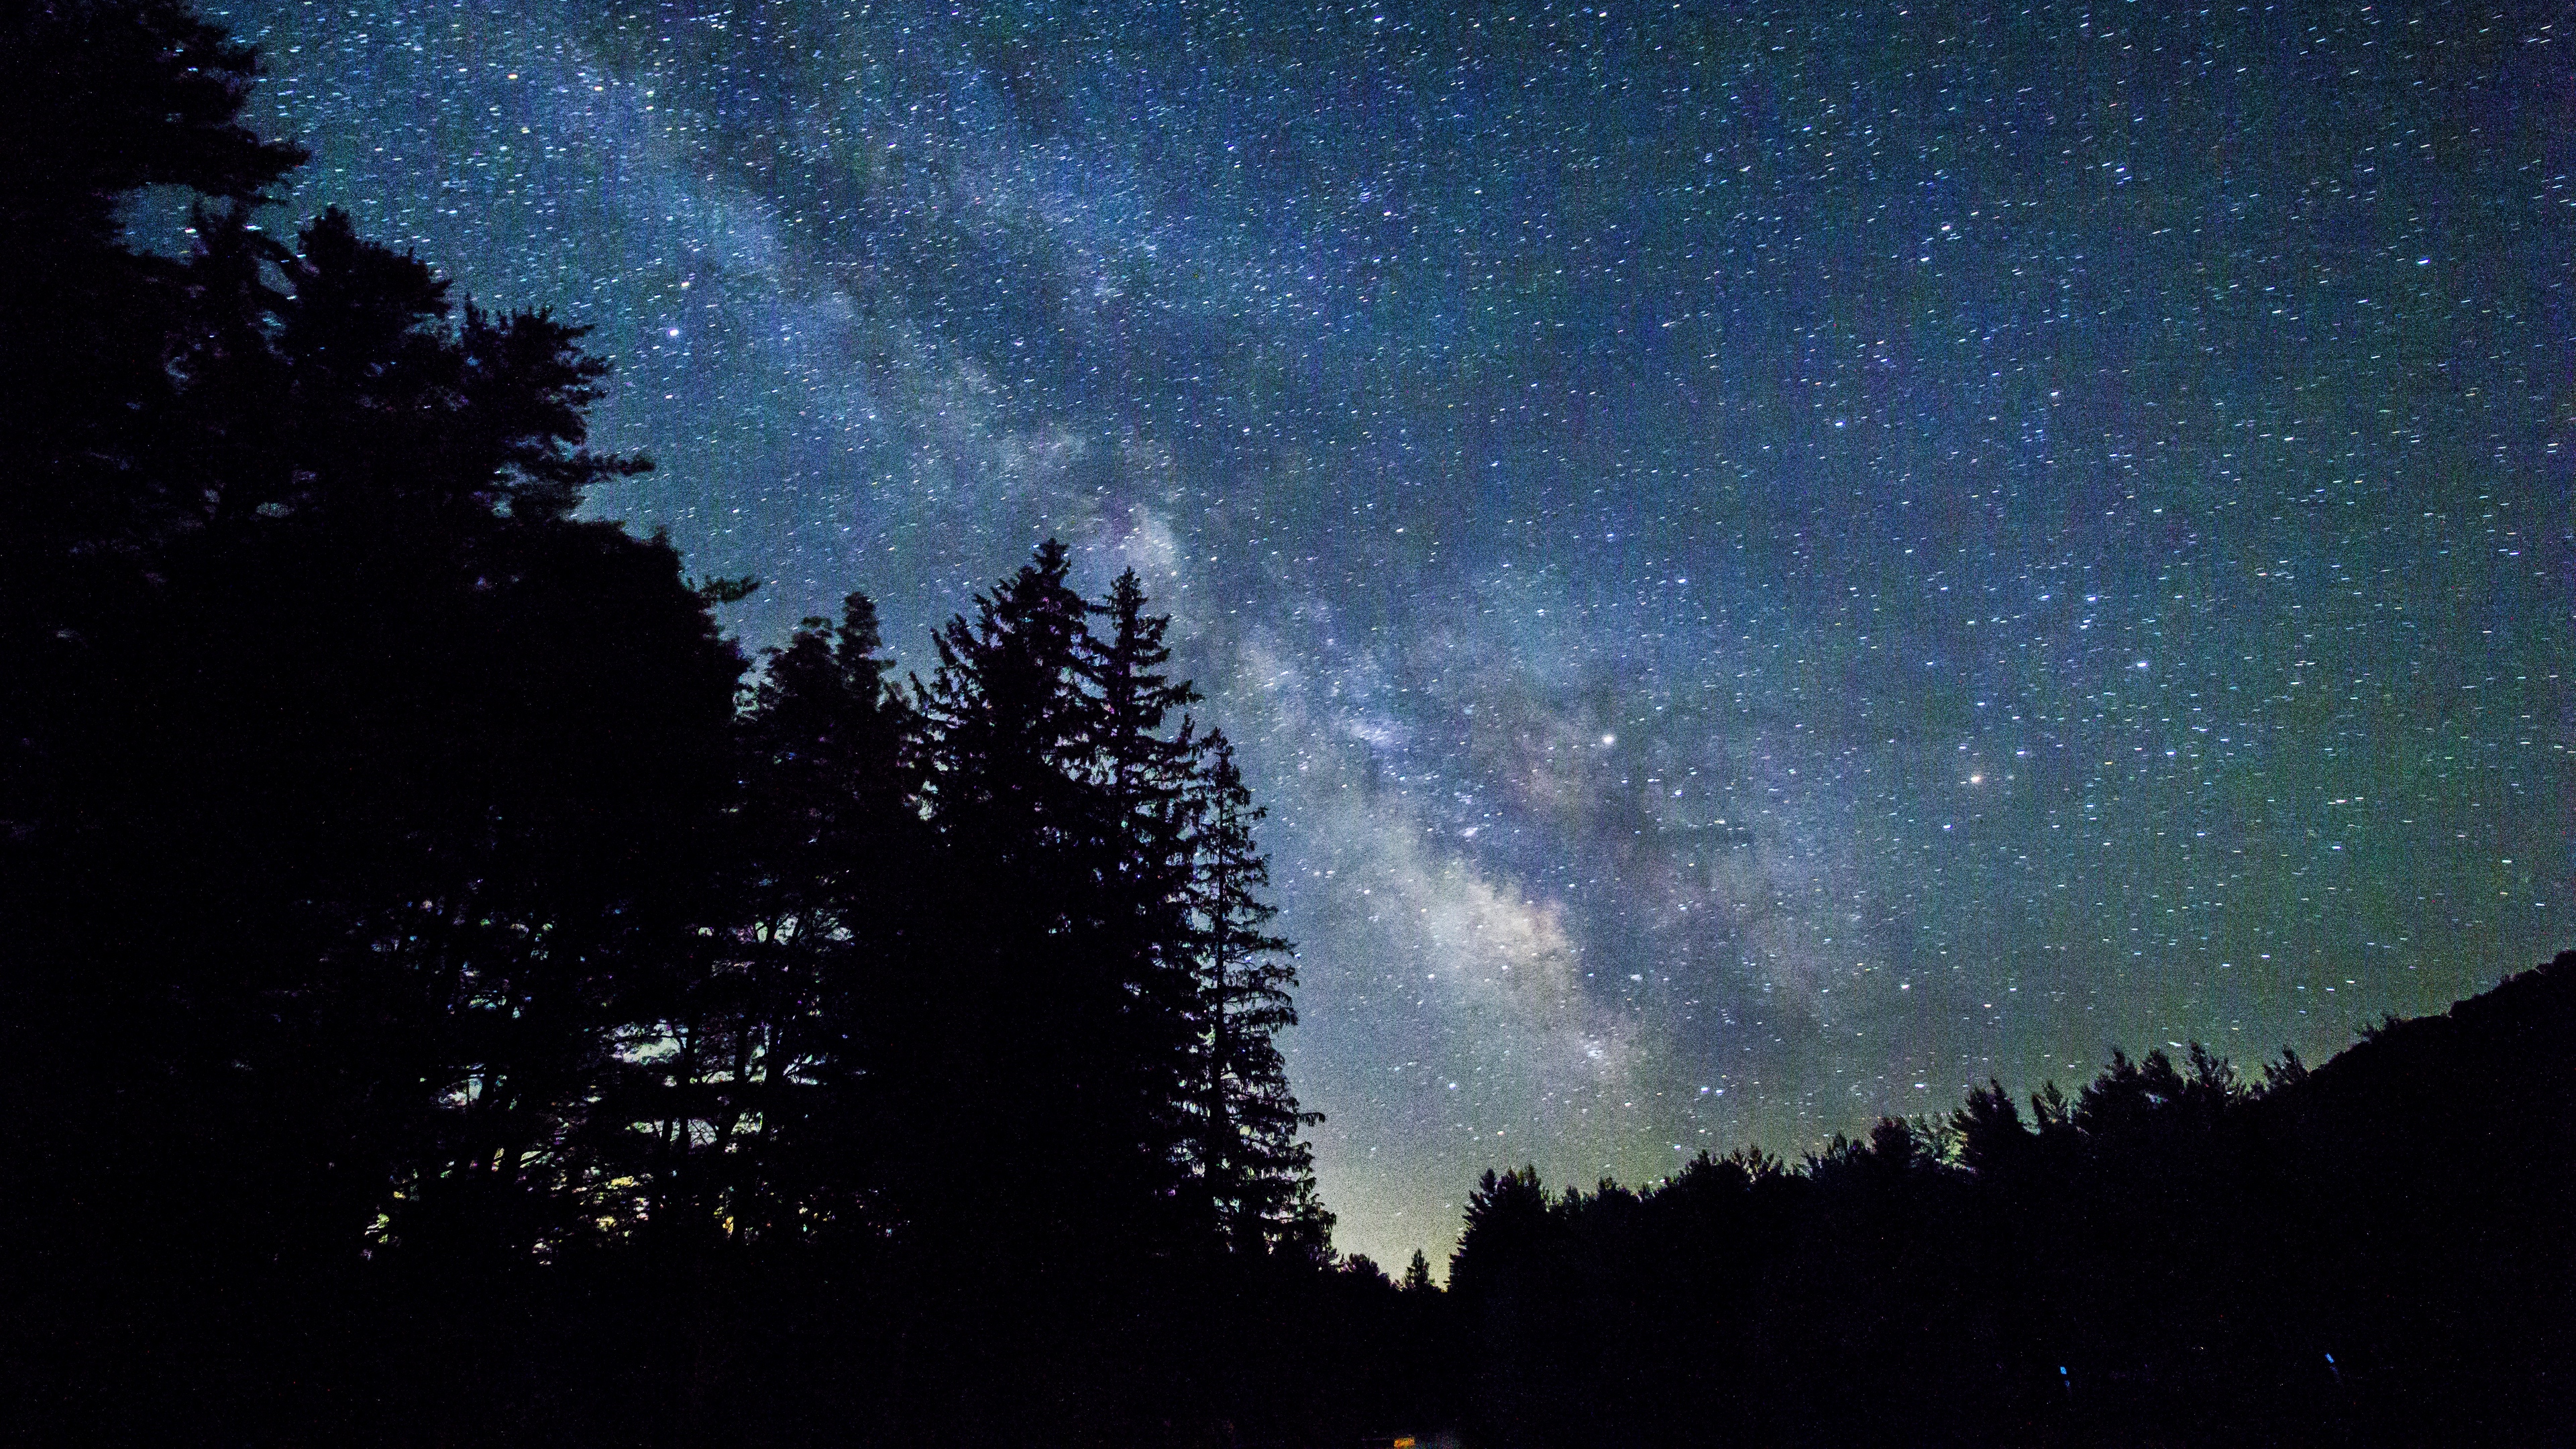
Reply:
x=1770, y=562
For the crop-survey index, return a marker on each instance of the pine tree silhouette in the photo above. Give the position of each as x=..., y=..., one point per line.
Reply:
x=1037, y=1004
x=1254, y=1167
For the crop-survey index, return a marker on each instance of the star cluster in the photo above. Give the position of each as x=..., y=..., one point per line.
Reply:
x=1770, y=562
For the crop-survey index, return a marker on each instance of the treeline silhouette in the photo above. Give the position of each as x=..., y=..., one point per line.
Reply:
x=448, y=994
x=2373, y=1252
x=451, y=995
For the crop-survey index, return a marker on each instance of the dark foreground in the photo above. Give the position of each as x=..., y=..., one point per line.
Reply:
x=2375, y=1251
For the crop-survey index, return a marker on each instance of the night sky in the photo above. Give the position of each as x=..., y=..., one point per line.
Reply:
x=1770, y=563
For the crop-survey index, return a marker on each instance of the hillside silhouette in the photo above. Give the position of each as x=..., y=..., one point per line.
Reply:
x=2369, y=1252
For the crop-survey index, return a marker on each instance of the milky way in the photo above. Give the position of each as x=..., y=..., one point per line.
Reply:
x=1769, y=563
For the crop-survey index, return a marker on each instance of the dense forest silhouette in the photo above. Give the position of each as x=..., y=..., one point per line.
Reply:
x=453, y=996
x=2375, y=1251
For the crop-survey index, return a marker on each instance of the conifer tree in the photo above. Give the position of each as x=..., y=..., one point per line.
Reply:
x=1141, y=765
x=1033, y=996
x=373, y=757
x=1254, y=1170
x=1007, y=723
x=1116, y=888
x=761, y=1045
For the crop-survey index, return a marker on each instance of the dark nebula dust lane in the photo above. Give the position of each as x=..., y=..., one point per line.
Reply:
x=1769, y=562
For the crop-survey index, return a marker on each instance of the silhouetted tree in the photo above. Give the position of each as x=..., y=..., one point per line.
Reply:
x=834, y=777
x=365, y=751
x=431, y=978
x=1252, y=1162
x=749, y=1054
x=1143, y=754
x=1036, y=1002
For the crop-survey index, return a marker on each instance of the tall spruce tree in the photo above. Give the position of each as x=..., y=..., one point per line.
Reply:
x=1123, y=971
x=1250, y=1163
x=1142, y=763
x=1030, y=999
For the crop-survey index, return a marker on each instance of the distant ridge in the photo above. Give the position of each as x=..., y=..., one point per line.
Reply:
x=2508, y=1034
x=2380, y=1250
